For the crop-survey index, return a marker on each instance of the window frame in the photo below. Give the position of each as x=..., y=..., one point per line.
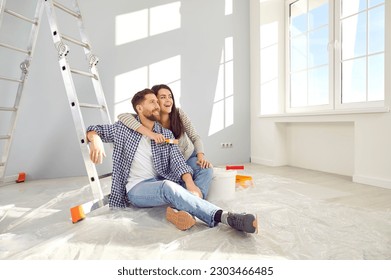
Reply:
x=335, y=66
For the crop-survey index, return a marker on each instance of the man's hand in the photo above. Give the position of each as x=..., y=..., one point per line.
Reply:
x=97, y=150
x=158, y=138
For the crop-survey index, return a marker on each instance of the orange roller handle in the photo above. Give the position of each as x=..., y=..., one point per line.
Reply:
x=172, y=141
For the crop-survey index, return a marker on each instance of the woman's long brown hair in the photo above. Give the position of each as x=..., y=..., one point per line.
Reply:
x=176, y=124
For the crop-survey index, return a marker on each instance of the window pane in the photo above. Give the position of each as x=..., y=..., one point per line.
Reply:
x=298, y=20
x=372, y=3
x=350, y=7
x=354, y=36
x=299, y=89
x=376, y=77
x=354, y=80
x=299, y=53
x=376, y=30
x=318, y=41
x=318, y=13
x=318, y=86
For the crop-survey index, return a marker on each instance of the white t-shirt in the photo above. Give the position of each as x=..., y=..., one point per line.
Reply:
x=142, y=166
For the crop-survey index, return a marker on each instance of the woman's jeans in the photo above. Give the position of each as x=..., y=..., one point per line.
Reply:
x=202, y=177
x=155, y=192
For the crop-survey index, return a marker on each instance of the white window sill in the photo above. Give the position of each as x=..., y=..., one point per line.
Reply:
x=292, y=117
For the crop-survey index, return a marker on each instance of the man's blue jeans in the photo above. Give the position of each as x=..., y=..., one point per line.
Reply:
x=202, y=177
x=155, y=192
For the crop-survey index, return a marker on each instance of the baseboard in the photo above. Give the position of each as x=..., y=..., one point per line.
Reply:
x=266, y=162
x=377, y=182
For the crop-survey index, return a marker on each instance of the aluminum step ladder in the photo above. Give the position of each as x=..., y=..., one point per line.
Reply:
x=13, y=111
x=67, y=72
x=60, y=40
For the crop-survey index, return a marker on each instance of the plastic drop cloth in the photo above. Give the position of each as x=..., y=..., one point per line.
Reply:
x=35, y=224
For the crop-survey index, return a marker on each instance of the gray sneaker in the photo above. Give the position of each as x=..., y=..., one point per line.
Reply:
x=243, y=222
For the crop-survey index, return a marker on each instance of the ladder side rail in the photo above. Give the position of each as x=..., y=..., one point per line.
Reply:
x=74, y=103
x=24, y=73
x=2, y=9
x=93, y=60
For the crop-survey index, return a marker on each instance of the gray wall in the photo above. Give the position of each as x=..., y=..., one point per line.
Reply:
x=45, y=143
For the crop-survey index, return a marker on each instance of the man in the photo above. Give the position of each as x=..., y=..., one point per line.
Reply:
x=146, y=174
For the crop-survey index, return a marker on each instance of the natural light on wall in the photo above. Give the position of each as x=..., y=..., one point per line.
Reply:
x=126, y=85
x=223, y=105
x=140, y=25
x=228, y=7
x=269, y=69
x=147, y=22
x=167, y=71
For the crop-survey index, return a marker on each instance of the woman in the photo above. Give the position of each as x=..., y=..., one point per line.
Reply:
x=190, y=143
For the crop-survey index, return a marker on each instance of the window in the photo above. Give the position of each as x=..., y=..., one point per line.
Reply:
x=336, y=54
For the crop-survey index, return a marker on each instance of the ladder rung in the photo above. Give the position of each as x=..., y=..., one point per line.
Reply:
x=9, y=109
x=70, y=39
x=65, y=9
x=10, y=79
x=12, y=13
x=14, y=48
x=4, y=137
x=83, y=73
x=86, y=105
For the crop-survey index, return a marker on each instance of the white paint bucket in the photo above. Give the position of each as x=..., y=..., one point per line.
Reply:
x=222, y=186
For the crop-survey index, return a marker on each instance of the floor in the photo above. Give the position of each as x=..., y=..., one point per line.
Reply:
x=303, y=214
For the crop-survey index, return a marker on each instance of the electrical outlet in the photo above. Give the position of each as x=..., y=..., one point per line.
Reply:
x=226, y=145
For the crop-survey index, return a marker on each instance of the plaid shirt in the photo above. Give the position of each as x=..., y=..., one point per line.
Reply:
x=168, y=161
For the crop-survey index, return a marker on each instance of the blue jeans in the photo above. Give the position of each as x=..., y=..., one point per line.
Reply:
x=155, y=192
x=202, y=177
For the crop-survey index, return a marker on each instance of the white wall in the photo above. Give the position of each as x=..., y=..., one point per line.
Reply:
x=45, y=143
x=356, y=145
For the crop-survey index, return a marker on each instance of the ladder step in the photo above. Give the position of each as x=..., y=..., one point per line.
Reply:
x=8, y=109
x=75, y=71
x=14, y=48
x=65, y=9
x=70, y=39
x=2, y=163
x=10, y=79
x=86, y=105
x=12, y=13
x=4, y=137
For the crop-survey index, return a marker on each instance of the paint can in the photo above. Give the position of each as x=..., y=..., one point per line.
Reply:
x=222, y=186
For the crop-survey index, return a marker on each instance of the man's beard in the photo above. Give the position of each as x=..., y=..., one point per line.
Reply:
x=152, y=117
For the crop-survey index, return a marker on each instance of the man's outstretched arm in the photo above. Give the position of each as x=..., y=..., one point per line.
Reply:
x=96, y=135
